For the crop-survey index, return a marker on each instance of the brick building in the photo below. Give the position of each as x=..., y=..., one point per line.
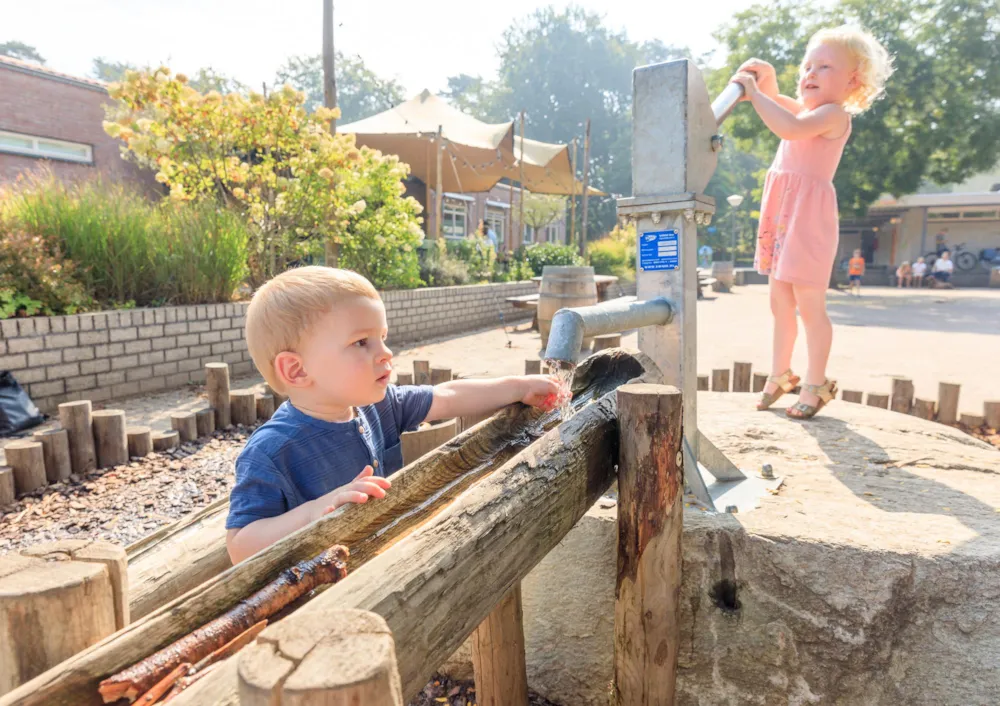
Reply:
x=47, y=117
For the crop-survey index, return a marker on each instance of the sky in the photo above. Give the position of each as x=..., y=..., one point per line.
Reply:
x=419, y=44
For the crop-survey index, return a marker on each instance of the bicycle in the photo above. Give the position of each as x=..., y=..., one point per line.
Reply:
x=964, y=259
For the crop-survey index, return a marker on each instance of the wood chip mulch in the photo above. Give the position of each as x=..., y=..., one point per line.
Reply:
x=444, y=690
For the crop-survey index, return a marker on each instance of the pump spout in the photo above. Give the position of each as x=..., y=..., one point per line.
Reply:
x=571, y=326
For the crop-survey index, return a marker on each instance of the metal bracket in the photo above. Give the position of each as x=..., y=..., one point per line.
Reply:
x=700, y=207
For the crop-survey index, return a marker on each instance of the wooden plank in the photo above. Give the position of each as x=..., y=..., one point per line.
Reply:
x=948, y=402
x=741, y=377
x=498, y=660
x=417, y=443
x=437, y=584
x=902, y=395
x=648, y=584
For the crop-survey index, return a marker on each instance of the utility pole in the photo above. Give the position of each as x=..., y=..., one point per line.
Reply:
x=329, y=77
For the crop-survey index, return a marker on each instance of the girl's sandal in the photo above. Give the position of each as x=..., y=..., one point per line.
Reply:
x=786, y=382
x=826, y=393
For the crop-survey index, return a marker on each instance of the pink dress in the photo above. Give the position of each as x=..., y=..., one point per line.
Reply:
x=799, y=222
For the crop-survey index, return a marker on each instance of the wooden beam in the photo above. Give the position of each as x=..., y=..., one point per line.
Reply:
x=648, y=585
x=436, y=585
x=498, y=660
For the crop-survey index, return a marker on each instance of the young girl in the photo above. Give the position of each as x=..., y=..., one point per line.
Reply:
x=843, y=72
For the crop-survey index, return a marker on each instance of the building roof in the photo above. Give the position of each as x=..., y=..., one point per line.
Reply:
x=26, y=67
x=949, y=200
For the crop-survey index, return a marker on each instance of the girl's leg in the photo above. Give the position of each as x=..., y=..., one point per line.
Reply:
x=819, y=336
x=785, y=329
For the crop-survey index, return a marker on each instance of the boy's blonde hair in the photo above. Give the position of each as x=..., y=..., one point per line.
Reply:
x=874, y=64
x=287, y=306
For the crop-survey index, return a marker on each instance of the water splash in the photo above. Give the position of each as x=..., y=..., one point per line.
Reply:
x=563, y=371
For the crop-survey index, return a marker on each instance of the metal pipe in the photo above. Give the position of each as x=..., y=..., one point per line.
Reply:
x=571, y=326
x=726, y=102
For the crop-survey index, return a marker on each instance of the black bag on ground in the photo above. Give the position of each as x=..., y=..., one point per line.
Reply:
x=17, y=411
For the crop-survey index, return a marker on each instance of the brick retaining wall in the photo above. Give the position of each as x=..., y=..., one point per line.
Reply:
x=120, y=353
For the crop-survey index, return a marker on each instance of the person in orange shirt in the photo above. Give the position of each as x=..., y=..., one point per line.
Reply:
x=855, y=270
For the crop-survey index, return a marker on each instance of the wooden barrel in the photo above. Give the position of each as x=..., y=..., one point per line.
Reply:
x=564, y=287
x=724, y=277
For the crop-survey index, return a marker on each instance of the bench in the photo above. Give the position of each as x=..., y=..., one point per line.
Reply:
x=528, y=301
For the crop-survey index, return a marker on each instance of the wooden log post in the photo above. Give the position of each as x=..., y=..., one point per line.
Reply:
x=140, y=441
x=498, y=660
x=923, y=408
x=55, y=448
x=7, y=492
x=351, y=659
x=439, y=375
x=991, y=412
x=759, y=381
x=703, y=383
x=165, y=440
x=404, y=378
x=971, y=421
x=75, y=418
x=217, y=386
x=71, y=593
x=110, y=439
x=186, y=425
x=853, y=396
x=877, y=400
x=948, y=402
x=741, y=377
x=417, y=443
x=720, y=380
x=532, y=367
x=608, y=340
x=902, y=395
x=421, y=372
x=265, y=406
x=27, y=460
x=650, y=504
x=279, y=398
x=243, y=407
x=204, y=419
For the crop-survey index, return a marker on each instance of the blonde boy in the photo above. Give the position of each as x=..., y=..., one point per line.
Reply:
x=317, y=335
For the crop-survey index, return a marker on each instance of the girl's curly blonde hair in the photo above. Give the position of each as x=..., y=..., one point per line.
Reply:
x=874, y=64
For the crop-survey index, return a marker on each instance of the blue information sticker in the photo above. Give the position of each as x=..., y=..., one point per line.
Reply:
x=658, y=250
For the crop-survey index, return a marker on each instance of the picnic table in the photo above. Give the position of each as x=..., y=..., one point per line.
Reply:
x=602, y=282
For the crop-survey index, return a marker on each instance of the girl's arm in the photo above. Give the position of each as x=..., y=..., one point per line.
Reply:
x=826, y=121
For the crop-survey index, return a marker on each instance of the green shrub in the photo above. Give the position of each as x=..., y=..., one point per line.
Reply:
x=478, y=255
x=35, y=278
x=438, y=269
x=614, y=254
x=542, y=254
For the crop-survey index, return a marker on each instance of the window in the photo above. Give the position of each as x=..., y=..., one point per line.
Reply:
x=552, y=233
x=970, y=215
x=453, y=217
x=497, y=220
x=529, y=233
x=46, y=148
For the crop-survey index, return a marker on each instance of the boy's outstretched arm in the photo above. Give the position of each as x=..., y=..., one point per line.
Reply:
x=467, y=398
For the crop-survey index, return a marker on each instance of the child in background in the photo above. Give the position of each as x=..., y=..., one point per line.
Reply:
x=855, y=271
x=317, y=335
x=843, y=72
x=919, y=270
x=904, y=275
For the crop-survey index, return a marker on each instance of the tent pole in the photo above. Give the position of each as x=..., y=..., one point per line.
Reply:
x=586, y=186
x=571, y=239
x=521, y=185
x=438, y=195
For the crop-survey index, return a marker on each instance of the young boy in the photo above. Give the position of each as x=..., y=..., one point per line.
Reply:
x=855, y=270
x=317, y=335
x=919, y=270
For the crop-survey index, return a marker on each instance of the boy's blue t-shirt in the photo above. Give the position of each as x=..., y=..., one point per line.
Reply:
x=295, y=458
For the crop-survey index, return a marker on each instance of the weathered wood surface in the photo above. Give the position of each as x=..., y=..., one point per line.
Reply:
x=307, y=667
x=417, y=443
x=265, y=406
x=720, y=380
x=498, y=660
x=532, y=367
x=902, y=395
x=243, y=407
x=923, y=408
x=948, y=402
x=75, y=418
x=438, y=583
x=852, y=396
x=421, y=372
x=759, y=381
x=55, y=600
x=27, y=459
x=877, y=400
x=205, y=421
x=404, y=378
x=7, y=492
x=440, y=375
x=55, y=449
x=140, y=441
x=648, y=584
x=419, y=491
x=185, y=424
x=165, y=440
x=703, y=383
x=110, y=439
x=973, y=421
x=608, y=340
x=991, y=411
x=217, y=387
x=741, y=377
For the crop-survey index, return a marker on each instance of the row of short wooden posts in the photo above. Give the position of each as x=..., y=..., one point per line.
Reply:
x=901, y=398
x=90, y=439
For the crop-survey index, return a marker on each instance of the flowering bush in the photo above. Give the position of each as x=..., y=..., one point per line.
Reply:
x=35, y=278
x=297, y=185
x=614, y=254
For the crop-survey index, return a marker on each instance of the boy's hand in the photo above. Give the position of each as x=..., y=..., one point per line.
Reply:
x=543, y=391
x=365, y=485
x=767, y=78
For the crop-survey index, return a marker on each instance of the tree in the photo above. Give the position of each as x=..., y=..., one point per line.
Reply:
x=110, y=71
x=296, y=184
x=563, y=67
x=360, y=91
x=208, y=79
x=940, y=116
x=540, y=210
x=22, y=51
